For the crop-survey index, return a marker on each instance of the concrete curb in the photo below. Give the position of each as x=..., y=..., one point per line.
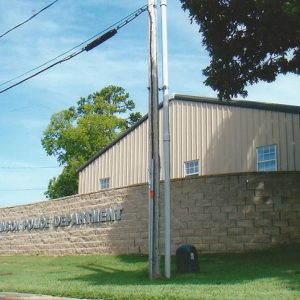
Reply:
x=21, y=296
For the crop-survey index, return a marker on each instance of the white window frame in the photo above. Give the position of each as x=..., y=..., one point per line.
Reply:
x=265, y=157
x=104, y=183
x=188, y=166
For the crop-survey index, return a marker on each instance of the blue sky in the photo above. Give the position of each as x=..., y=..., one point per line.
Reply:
x=123, y=60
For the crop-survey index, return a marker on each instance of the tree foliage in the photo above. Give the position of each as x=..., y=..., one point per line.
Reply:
x=76, y=134
x=247, y=41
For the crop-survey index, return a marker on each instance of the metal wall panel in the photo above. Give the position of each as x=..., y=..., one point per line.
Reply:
x=125, y=163
x=296, y=135
x=223, y=138
x=229, y=137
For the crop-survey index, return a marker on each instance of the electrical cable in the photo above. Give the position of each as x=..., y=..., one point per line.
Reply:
x=22, y=190
x=124, y=21
x=43, y=70
x=88, y=47
x=33, y=16
x=30, y=167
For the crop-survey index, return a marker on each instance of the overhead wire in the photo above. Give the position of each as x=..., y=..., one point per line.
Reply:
x=30, y=167
x=77, y=46
x=109, y=32
x=43, y=70
x=27, y=20
x=22, y=190
x=26, y=167
x=119, y=24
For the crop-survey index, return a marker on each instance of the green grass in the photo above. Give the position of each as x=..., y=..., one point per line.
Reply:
x=273, y=274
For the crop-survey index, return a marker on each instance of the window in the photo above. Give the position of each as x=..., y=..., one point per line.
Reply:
x=266, y=158
x=104, y=183
x=191, y=167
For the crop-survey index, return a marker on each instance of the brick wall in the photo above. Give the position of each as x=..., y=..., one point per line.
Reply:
x=237, y=212
x=128, y=235
x=224, y=213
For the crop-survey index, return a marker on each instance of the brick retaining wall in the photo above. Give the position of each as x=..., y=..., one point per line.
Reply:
x=224, y=213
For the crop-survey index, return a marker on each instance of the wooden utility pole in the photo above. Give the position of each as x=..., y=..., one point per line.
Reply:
x=154, y=165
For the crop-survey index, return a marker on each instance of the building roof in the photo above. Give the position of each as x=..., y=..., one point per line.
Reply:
x=240, y=103
x=179, y=97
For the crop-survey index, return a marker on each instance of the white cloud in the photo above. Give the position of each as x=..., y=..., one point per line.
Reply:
x=123, y=60
x=284, y=90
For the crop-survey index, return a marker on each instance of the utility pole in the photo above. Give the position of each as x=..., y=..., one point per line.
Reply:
x=154, y=165
x=166, y=138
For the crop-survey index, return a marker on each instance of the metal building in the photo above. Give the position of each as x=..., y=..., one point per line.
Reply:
x=207, y=137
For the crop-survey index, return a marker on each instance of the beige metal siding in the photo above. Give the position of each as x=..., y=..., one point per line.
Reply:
x=223, y=138
x=228, y=137
x=124, y=164
x=296, y=135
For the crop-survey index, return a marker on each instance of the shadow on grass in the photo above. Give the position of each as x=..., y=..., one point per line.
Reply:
x=281, y=264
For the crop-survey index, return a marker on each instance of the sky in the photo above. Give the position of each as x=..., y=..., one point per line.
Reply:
x=25, y=168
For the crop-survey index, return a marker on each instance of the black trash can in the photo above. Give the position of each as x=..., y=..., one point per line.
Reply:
x=187, y=259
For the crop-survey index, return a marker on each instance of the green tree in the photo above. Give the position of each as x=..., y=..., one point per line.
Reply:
x=76, y=134
x=247, y=41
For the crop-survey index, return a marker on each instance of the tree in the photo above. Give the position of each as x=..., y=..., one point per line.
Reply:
x=247, y=41
x=76, y=134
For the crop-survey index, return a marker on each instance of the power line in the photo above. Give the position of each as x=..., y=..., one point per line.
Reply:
x=27, y=20
x=29, y=167
x=75, y=47
x=43, y=70
x=119, y=24
x=22, y=190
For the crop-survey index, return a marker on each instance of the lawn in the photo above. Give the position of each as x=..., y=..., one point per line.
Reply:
x=273, y=274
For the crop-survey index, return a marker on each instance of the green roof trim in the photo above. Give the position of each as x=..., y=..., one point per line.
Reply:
x=240, y=103
x=173, y=97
